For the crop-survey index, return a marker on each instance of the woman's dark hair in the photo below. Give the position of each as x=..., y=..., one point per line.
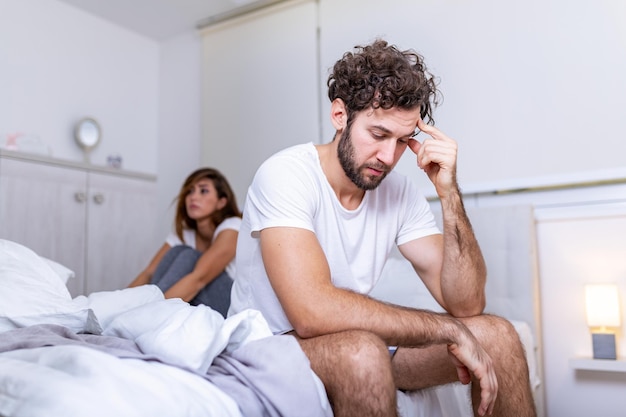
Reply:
x=381, y=76
x=223, y=189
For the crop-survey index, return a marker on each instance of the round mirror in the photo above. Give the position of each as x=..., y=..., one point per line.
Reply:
x=87, y=134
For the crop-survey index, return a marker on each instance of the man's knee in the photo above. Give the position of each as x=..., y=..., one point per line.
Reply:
x=353, y=353
x=495, y=333
x=364, y=349
x=361, y=377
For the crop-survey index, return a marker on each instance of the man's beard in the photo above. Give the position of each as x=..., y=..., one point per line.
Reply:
x=346, y=154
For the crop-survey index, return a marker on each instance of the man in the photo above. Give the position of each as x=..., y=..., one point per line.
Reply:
x=319, y=223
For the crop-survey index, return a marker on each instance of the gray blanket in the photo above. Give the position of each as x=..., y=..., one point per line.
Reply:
x=268, y=377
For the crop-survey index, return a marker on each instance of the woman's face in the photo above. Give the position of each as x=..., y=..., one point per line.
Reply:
x=202, y=200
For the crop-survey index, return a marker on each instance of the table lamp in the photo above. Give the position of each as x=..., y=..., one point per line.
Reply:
x=603, y=318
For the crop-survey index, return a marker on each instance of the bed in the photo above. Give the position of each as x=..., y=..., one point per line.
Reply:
x=132, y=352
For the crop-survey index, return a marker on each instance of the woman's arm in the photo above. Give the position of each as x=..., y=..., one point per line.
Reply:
x=145, y=275
x=212, y=263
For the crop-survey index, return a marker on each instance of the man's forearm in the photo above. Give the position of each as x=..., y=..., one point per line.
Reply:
x=403, y=326
x=463, y=273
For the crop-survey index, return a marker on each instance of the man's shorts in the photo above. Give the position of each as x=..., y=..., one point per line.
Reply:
x=392, y=350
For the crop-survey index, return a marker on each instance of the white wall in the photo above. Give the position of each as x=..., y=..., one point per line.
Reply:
x=179, y=120
x=59, y=64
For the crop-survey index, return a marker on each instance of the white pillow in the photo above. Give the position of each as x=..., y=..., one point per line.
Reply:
x=63, y=272
x=32, y=293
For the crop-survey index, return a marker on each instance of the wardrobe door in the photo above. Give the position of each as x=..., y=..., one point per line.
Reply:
x=42, y=207
x=121, y=221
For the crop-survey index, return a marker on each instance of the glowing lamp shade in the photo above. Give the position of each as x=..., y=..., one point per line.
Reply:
x=602, y=302
x=602, y=313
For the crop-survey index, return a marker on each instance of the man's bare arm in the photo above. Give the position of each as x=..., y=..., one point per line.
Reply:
x=463, y=272
x=451, y=266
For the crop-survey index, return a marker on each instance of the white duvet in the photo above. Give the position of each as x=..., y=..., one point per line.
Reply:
x=79, y=381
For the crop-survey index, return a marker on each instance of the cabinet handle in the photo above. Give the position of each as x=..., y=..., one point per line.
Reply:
x=80, y=196
x=98, y=198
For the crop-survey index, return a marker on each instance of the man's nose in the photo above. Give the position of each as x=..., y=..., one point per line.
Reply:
x=387, y=151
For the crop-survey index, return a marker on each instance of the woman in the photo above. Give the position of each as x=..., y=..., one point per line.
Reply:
x=197, y=263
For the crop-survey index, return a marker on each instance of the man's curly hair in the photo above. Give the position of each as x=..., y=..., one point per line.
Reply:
x=381, y=76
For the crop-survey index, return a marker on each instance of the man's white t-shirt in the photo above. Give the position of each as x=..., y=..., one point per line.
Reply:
x=189, y=239
x=291, y=190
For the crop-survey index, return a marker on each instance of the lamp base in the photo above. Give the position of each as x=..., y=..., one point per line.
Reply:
x=604, y=346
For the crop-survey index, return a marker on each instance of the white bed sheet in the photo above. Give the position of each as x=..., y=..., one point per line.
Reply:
x=79, y=381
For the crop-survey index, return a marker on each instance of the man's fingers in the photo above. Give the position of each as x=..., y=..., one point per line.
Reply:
x=487, y=397
x=432, y=131
x=434, y=151
x=464, y=375
x=418, y=149
x=421, y=125
x=488, y=392
x=414, y=145
x=461, y=370
x=483, y=371
x=428, y=129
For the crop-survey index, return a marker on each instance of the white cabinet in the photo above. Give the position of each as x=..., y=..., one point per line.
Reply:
x=97, y=221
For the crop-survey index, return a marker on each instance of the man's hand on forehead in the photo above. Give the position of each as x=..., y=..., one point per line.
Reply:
x=436, y=155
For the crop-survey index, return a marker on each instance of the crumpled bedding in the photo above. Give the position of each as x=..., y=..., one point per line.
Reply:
x=256, y=375
x=156, y=357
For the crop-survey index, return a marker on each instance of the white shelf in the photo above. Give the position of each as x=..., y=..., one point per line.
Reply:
x=607, y=365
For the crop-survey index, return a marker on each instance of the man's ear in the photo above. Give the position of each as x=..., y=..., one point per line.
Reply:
x=338, y=114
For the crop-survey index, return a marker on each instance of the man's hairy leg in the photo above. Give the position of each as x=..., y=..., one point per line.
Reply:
x=356, y=371
x=420, y=368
